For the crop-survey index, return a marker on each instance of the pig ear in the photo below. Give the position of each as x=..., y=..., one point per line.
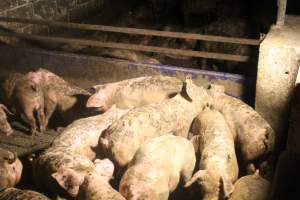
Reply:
x=191, y=90
x=196, y=177
x=227, y=187
x=219, y=89
x=195, y=140
x=34, y=87
x=98, y=100
x=69, y=180
x=6, y=109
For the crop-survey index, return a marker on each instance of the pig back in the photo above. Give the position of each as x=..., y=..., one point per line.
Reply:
x=216, y=143
x=254, y=135
x=252, y=187
x=17, y=194
x=155, y=170
x=124, y=137
x=82, y=135
x=134, y=92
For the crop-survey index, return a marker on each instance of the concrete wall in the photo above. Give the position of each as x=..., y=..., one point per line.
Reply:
x=279, y=60
x=64, y=10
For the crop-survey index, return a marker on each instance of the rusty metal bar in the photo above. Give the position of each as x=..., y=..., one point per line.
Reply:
x=281, y=4
x=134, y=47
x=191, y=36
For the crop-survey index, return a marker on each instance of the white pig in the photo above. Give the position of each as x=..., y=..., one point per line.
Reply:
x=123, y=138
x=218, y=163
x=96, y=184
x=157, y=167
x=134, y=92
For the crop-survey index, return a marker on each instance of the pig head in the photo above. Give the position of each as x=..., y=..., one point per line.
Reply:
x=212, y=185
x=10, y=169
x=71, y=179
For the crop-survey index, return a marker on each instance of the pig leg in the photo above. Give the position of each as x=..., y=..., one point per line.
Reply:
x=49, y=110
x=29, y=117
x=42, y=119
x=187, y=172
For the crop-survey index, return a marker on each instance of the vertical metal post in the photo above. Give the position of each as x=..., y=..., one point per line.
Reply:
x=281, y=5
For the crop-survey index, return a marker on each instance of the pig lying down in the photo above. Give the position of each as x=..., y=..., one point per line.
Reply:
x=124, y=137
x=96, y=184
x=156, y=168
x=218, y=165
x=5, y=127
x=134, y=92
x=59, y=172
x=73, y=149
x=10, y=169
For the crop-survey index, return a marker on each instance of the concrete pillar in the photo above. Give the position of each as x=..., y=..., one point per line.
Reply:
x=279, y=59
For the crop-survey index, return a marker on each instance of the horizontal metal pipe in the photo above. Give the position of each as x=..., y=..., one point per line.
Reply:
x=190, y=36
x=134, y=47
x=281, y=10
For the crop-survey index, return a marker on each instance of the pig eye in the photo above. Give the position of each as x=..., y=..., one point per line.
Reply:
x=92, y=90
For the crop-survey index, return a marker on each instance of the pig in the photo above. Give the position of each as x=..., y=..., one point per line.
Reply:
x=254, y=137
x=23, y=94
x=96, y=184
x=10, y=169
x=127, y=55
x=251, y=187
x=73, y=149
x=231, y=27
x=134, y=92
x=184, y=44
x=5, y=127
x=82, y=135
x=121, y=139
x=218, y=164
x=157, y=167
x=59, y=172
x=57, y=92
x=17, y=194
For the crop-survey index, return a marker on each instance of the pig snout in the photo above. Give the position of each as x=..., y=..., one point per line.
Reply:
x=10, y=169
x=17, y=168
x=261, y=147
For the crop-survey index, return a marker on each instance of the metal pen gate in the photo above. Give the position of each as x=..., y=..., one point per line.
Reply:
x=135, y=31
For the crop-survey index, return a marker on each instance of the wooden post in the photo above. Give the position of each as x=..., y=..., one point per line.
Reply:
x=281, y=4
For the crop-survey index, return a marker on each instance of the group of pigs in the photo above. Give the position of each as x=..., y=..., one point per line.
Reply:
x=147, y=139
x=228, y=26
x=239, y=28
